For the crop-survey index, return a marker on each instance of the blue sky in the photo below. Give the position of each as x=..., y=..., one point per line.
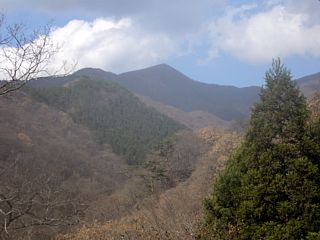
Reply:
x=214, y=41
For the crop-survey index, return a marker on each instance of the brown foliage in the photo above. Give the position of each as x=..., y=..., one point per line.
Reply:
x=46, y=178
x=177, y=212
x=314, y=105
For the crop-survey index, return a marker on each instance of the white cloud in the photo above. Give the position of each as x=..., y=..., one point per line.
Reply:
x=111, y=45
x=257, y=35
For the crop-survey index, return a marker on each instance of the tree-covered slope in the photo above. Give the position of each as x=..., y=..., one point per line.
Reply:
x=49, y=167
x=114, y=114
x=166, y=85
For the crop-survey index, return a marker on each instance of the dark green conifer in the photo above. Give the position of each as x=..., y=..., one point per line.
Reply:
x=270, y=188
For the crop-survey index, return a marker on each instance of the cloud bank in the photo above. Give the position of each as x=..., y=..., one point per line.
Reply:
x=136, y=34
x=109, y=44
x=258, y=34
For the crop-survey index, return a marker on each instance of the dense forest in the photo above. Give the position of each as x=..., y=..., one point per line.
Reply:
x=114, y=114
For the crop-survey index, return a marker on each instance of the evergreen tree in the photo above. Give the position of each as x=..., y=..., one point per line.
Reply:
x=270, y=188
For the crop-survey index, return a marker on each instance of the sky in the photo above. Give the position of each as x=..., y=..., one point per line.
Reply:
x=225, y=42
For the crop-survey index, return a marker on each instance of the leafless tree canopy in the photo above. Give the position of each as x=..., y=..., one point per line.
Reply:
x=24, y=56
x=29, y=197
x=28, y=200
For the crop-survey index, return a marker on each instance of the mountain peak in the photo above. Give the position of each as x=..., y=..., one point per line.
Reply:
x=159, y=68
x=162, y=65
x=96, y=73
x=167, y=85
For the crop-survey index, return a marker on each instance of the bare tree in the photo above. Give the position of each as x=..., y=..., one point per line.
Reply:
x=31, y=199
x=24, y=56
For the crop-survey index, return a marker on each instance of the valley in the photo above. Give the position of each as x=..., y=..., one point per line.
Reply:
x=111, y=158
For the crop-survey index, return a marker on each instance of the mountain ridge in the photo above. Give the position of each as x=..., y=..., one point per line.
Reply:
x=164, y=84
x=167, y=85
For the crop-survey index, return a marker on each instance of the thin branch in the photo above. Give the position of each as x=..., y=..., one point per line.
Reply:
x=24, y=57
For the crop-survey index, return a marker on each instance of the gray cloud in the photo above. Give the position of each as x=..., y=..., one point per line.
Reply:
x=310, y=8
x=283, y=28
x=173, y=16
x=117, y=7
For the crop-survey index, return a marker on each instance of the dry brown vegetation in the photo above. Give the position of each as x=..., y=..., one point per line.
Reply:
x=56, y=175
x=55, y=178
x=177, y=212
x=314, y=105
x=43, y=167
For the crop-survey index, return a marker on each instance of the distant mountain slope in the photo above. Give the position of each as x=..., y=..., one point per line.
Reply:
x=165, y=84
x=93, y=73
x=114, y=114
x=193, y=120
x=309, y=84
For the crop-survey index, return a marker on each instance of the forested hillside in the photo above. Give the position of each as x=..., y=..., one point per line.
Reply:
x=165, y=85
x=56, y=174
x=114, y=114
x=193, y=120
x=51, y=170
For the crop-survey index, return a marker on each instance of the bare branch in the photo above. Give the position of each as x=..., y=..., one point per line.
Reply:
x=28, y=201
x=26, y=56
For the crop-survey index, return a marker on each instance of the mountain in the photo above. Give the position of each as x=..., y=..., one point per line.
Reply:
x=168, y=86
x=309, y=84
x=93, y=73
x=164, y=84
